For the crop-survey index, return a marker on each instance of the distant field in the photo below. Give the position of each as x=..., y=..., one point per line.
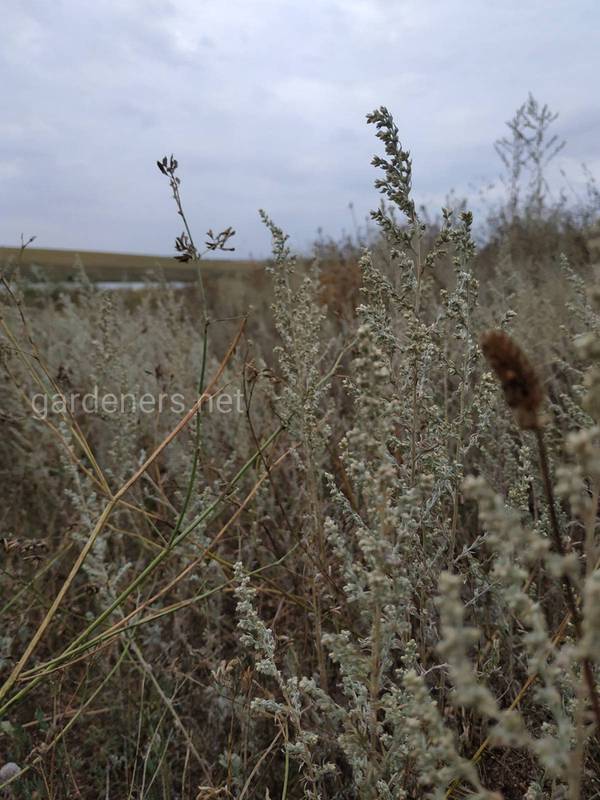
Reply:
x=64, y=265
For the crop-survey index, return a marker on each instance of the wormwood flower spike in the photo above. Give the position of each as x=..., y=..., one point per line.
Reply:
x=518, y=378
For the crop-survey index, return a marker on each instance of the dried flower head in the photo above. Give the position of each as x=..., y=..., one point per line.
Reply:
x=520, y=383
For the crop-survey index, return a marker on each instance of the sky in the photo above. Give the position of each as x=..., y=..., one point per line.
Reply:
x=263, y=103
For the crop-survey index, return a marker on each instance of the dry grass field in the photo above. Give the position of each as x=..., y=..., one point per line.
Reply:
x=311, y=530
x=65, y=265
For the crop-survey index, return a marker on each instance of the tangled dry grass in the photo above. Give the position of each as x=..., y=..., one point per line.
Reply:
x=341, y=567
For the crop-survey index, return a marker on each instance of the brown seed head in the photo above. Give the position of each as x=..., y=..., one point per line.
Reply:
x=518, y=378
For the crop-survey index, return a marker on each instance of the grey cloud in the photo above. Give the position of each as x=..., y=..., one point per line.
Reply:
x=264, y=104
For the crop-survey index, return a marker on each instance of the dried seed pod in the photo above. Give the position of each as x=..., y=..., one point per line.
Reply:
x=518, y=378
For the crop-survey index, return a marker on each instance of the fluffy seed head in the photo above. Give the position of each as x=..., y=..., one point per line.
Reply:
x=518, y=378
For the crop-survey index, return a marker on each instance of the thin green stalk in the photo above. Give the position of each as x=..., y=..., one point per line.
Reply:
x=192, y=479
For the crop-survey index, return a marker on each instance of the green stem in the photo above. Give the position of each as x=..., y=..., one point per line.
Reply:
x=192, y=479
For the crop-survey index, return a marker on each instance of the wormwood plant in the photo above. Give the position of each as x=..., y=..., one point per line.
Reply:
x=529, y=149
x=400, y=561
x=560, y=667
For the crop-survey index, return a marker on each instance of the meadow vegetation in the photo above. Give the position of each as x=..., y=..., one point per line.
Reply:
x=371, y=573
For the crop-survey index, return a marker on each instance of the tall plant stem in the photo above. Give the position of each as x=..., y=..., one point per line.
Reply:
x=567, y=583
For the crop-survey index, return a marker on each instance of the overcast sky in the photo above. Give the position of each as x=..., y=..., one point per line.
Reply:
x=263, y=103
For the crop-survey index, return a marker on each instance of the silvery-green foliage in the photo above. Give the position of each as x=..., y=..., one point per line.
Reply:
x=375, y=546
x=287, y=710
x=388, y=529
x=555, y=664
x=431, y=744
x=298, y=320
